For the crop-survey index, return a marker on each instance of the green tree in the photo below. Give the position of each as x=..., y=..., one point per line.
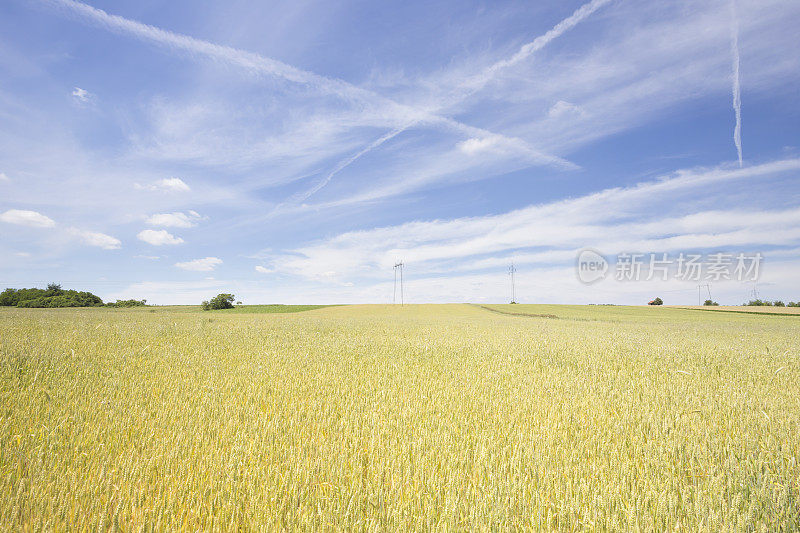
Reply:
x=9, y=297
x=220, y=301
x=53, y=289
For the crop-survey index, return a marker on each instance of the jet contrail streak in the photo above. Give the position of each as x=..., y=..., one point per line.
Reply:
x=474, y=84
x=261, y=65
x=324, y=181
x=737, y=95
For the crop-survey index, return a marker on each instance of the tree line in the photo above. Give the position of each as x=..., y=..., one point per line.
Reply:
x=55, y=296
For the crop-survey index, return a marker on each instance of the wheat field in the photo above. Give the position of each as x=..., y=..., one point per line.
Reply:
x=387, y=418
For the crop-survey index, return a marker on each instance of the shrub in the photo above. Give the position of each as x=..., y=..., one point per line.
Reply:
x=778, y=303
x=220, y=301
x=127, y=303
x=710, y=302
x=656, y=301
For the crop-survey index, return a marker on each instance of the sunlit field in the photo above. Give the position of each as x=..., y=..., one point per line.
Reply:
x=385, y=418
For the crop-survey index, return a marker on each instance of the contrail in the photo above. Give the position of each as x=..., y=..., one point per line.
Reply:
x=475, y=83
x=258, y=64
x=342, y=164
x=737, y=95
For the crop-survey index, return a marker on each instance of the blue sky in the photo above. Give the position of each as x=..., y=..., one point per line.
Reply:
x=294, y=151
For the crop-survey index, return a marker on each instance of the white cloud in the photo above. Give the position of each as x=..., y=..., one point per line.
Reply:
x=475, y=146
x=81, y=95
x=562, y=108
x=149, y=257
x=264, y=270
x=23, y=217
x=611, y=220
x=174, y=220
x=93, y=238
x=3, y=177
x=206, y=264
x=166, y=184
x=158, y=237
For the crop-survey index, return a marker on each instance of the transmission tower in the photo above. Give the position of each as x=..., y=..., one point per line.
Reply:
x=398, y=266
x=699, y=294
x=511, y=270
x=754, y=292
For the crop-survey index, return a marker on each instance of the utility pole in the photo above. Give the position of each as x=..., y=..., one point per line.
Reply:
x=400, y=266
x=699, y=293
x=511, y=271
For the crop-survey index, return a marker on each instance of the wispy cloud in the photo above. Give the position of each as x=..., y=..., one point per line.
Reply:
x=94, y=238
x=614, y=218
x=264, y=270
x=158, y=237
x=562, y=108
x=177, y=219
x=24, y=217
x=402, y=114
x=3, y=177
x=344, y=164
x=477, y=82
x=81, y=96
x=737, y=96
x=206, y=264
x=166, y=184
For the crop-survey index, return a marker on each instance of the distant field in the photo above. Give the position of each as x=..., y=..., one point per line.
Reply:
x=748, y=309
x=274, y=308
x=603, y=313
x=390, y=418
x=270, y=308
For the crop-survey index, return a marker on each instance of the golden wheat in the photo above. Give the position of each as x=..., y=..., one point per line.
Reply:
x=384, y=418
